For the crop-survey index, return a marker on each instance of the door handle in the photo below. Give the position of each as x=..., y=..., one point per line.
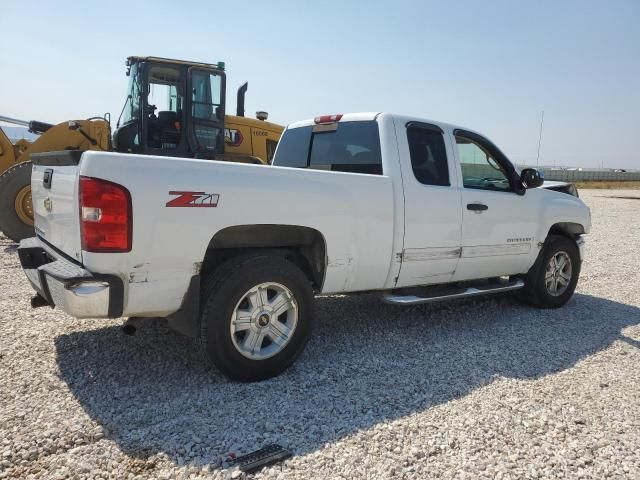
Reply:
x=477, y=207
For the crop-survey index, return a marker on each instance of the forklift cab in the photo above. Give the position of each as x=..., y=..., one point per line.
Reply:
x=173, y=108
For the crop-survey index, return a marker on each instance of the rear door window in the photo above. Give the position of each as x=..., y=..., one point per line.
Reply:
x=428, y=155
x=349, y=147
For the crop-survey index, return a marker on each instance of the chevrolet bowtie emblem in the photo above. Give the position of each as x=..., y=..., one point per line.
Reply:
x=48, y=204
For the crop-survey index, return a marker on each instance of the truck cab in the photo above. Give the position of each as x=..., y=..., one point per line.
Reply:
x=463, y=211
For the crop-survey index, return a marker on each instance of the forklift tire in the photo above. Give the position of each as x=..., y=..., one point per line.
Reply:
x=16, y=211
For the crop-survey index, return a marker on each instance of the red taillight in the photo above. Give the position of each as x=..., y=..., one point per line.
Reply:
x=105, y=216
x=328, y=118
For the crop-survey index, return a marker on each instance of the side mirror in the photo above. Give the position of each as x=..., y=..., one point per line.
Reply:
x=531, y=177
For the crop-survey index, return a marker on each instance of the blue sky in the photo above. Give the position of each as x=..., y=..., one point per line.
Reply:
x=487, y=65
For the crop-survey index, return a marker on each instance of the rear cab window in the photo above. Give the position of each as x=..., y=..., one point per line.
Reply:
x=340, y=147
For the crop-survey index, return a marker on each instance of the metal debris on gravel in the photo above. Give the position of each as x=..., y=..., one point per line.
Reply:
x=469, y=389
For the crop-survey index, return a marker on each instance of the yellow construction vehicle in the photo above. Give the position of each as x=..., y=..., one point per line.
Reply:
x=172, y=108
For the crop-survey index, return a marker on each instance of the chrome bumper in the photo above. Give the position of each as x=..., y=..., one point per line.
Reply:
x=67, y=285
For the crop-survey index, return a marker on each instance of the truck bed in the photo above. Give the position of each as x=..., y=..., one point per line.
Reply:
x=169, y=243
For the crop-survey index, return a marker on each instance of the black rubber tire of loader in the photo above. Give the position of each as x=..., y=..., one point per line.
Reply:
x=12, y=181
x=224, y=288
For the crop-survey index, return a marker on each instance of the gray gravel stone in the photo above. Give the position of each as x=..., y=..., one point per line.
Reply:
x=474, y=389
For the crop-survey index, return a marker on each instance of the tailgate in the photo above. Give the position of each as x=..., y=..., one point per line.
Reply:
x=54, y=187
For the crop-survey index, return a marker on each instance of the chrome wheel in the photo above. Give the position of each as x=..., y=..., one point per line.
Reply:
x=264, y=320
x=558, y=274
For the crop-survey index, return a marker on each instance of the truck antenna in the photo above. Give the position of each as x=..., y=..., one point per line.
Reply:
x=540, y=139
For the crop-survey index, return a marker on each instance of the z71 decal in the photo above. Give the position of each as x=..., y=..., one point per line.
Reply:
x=193, y=199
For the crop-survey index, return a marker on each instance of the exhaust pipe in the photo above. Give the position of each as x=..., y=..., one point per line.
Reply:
x=129, y=329
x=242, y=91
x=129, y=326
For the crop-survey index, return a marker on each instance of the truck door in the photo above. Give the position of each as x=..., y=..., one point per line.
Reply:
x=432, y=205
x=498, y=225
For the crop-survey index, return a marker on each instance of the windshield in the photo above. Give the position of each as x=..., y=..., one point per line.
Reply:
x=132, y=107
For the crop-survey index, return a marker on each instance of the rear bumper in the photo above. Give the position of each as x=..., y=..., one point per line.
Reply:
x=66, y=285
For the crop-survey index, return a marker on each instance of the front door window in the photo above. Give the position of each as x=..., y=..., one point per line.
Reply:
x=479, y=168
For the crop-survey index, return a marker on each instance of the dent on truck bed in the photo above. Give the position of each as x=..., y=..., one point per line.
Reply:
x=138, y=277
x=339, y=262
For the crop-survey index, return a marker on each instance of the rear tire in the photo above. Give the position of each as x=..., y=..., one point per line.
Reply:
x=12, y=189
x=551, y=281
x=257, y=316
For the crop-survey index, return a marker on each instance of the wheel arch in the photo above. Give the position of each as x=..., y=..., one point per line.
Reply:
x=303, y=246
x=571, y=230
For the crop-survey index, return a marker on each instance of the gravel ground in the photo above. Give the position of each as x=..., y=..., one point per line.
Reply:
x=471, y=389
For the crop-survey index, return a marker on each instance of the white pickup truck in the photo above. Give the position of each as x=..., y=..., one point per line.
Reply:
x=233, y=254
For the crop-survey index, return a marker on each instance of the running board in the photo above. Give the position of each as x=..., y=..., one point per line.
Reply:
x=453, y=294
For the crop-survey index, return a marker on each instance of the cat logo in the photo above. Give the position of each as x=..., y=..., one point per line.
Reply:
x=233, y=137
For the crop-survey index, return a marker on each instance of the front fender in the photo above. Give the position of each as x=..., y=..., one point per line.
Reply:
x=564, y=212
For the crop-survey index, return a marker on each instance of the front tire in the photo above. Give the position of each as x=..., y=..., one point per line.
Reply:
x=257, y=315
x=552, y=280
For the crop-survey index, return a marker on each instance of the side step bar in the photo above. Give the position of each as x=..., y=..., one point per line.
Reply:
x=453, y=294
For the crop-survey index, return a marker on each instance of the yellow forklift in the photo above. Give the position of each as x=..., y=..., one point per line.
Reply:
x=172, y=108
